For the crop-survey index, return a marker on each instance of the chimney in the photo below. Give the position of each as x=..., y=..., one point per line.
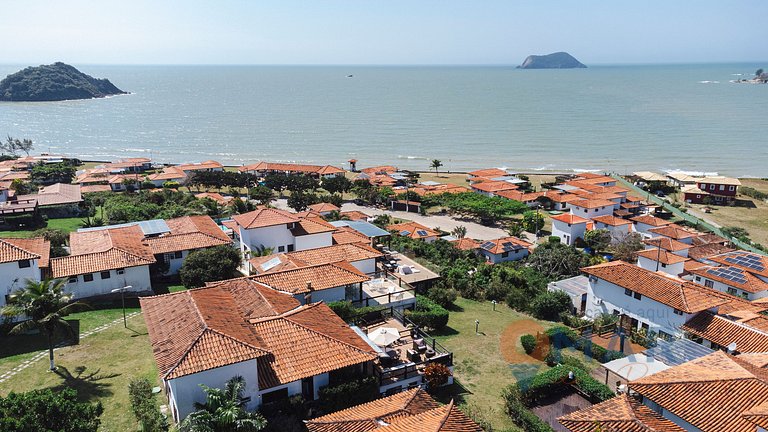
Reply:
x=308, y=295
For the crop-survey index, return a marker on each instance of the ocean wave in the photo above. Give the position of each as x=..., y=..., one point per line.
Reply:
x=691, y=173
x=547, y=167
x=709, y=82
x=737, y=74
x=411, y=157
x=582, y=170
x=138, y=150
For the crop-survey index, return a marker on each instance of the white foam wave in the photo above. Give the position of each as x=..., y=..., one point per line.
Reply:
x=709, y=82
x=411, y=157
x=582, y=170
x=138, y=150
x=691, y=173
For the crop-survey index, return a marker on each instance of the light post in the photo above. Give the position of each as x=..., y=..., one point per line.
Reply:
x=477, y=327
x=122, y=299
x=493, y=302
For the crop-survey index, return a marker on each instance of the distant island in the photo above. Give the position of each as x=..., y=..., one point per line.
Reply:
x=54, y=82
x=558, y=60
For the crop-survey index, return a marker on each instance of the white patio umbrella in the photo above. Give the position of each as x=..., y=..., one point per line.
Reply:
x=384, y=336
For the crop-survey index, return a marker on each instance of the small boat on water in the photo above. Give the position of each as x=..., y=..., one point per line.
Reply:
x=350, y=76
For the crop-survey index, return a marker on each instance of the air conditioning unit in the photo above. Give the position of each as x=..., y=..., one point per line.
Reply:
x=597, y=301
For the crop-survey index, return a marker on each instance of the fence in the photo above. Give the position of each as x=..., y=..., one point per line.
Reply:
x=687, y=217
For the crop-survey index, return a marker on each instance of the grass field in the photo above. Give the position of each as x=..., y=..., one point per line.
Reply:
x=99, y=368
x=65, y=224
x=481, y=369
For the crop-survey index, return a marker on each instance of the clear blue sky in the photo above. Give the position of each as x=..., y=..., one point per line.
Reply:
x=381, y=32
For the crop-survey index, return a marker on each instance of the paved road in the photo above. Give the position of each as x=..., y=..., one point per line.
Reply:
x=445, y=223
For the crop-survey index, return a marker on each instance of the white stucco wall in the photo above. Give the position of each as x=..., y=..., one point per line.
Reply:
x=12, y=277
x=313, y=241
x=326, y=295
x=185, y=391
x=270, y=237
x=593, y=212
x=669, y=416
x=136, y=277
x=511, y=256
x=649, y=264
x=646, y=310
x=618, y=232
x=701, y=280
x=568, y=233
x=367, y=266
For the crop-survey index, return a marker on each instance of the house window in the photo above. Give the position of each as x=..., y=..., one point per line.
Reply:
x=281, y=248
x=663, y=265
x=722, y=187
x=120, y=271
x=678, y=312
x=505, y=254
x=638, y=296
x=177, y=255
x=105, y=275
x=732, y=291
x=698, y=278
x=709, y=284
x=24, y=264
x=595, y=210
x=731, y=188
x=711, y=187
x=291, y=248
x=88, y=277
x=627, y=292
x=73, y=279
x=274, y=396
x=665, y=336
x=744, y=295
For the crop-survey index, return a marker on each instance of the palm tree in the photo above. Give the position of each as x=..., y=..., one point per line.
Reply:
x=459, y=232
x=45, y=304
x=223, y=411
x=436, y=163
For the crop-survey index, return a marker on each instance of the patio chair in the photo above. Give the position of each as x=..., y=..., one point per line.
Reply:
x=420, y=345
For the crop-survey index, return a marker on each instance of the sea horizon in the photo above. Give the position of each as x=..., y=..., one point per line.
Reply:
x=606, y=118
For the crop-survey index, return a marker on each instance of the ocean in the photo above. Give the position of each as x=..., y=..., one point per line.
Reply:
x=605, y=118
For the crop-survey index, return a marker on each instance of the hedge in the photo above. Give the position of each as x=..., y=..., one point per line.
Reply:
x=528, y=342
x=351, y=393
x=347, y=312
x=548, y=382
x=428, y=314
x=562, y=337
x=144, y=406
x=520, y=414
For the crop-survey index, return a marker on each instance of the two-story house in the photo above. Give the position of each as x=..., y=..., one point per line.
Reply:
x=589, y=208
x=21, y=260
x=739, y=273
x=569, y=227
x=281, y=231
x=715, y=190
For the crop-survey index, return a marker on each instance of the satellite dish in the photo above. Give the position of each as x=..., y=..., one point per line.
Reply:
x=731, y=347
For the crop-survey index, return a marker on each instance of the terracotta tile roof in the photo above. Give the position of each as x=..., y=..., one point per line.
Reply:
x=188, y=233
x=366, y=417
x=749, y=261
x=620, y=414
x=237, y=320
x=711, y=393
x=311, y=225
x=650, y=220
x=15, y=175
x=215, y=196
x=493, y=186
x=291, y=168
x=504, y=244
x=447, y=418
x=519, y=196
x=674, y=292
x=413, y=230
x=119, y=178
x=489, y=172
x=757, y=359
x=667, y=243
x=705, y=251
x=467, y=244
x=345, y=235
x=723, y=332
x=56, y=194
x=663, y=256
x=570, y=218
x=323, y=276
x=673, y=231
x=592, y=203
x=423, y=190
x=354, y=215
x=758, y=415
x=207, y=165
x=264, y=217
x=381, y=169
x=735, y=305
x=708, y=238
x=330, y=254
x=274, y=263
x=323, y=207
x=100, y=250
x=168, y=173
x=561, y=197
x=611, y=220
x=739, y=278
x=95, y=188
x=17, y=249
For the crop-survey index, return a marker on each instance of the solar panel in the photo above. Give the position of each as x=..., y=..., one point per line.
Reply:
x=270, y=264
x=487, y=245
x=421, y=233
x=750, y=261
x=154, y=227
x=728, y=273
x=405, y=233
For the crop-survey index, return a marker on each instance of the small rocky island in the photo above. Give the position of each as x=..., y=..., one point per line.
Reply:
x=54, y=82
x=558, y=60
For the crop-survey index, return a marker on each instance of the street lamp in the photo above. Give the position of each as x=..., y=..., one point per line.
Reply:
x=493, y=302
x=477, y=326
x=122, y=298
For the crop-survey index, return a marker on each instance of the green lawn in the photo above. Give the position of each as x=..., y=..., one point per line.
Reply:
x=100, y=368
x=481, y=370
x=66, y=224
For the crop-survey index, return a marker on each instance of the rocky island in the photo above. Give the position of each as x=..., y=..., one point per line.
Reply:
x=54, y=82
x=558, y=60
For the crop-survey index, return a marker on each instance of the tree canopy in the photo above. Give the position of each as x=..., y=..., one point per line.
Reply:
x=48, y=410
x=47, y=174
x=223, y=411
x=558, y=261
x=208, y=265
x=12, y=146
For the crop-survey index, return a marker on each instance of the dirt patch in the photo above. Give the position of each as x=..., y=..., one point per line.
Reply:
x=510, y=342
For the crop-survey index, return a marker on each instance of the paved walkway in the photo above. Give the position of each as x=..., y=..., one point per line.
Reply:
x=44, y=354
x=445, y=223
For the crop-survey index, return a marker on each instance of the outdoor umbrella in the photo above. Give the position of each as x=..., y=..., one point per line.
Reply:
x=384, y=336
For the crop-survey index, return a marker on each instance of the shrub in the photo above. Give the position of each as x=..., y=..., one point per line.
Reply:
x=351, y=393
x=48, y=410
x=428, y=314
x=442, y=296
x=554, y=356
x=144, y=407
x=520, y=414
x=208, y=265
x=549, y=305
x=436, y=374
x=550, y=381
x=171, y=185
x=528, y=342
x=347, y=312
x=148, y=185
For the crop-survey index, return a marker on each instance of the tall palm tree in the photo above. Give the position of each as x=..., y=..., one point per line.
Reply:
x=459, y=232
x=436, y=163
x=45, y=304
x=223, y=411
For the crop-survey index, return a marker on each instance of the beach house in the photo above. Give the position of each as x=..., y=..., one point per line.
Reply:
x=264, y=169
x=569, y=228
x=21, y=260
x=739, y=273
x=281, y=231
x=415, y=231
x=589, y=208
x=656, y=259
x=713, y=190
x=504, y=249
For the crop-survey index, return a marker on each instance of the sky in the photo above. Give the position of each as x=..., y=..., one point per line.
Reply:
x=381, y=32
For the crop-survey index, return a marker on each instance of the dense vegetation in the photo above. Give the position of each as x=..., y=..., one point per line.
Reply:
x=48, y=410
x=208, y=265
x=146, y=205
x=54, y=82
